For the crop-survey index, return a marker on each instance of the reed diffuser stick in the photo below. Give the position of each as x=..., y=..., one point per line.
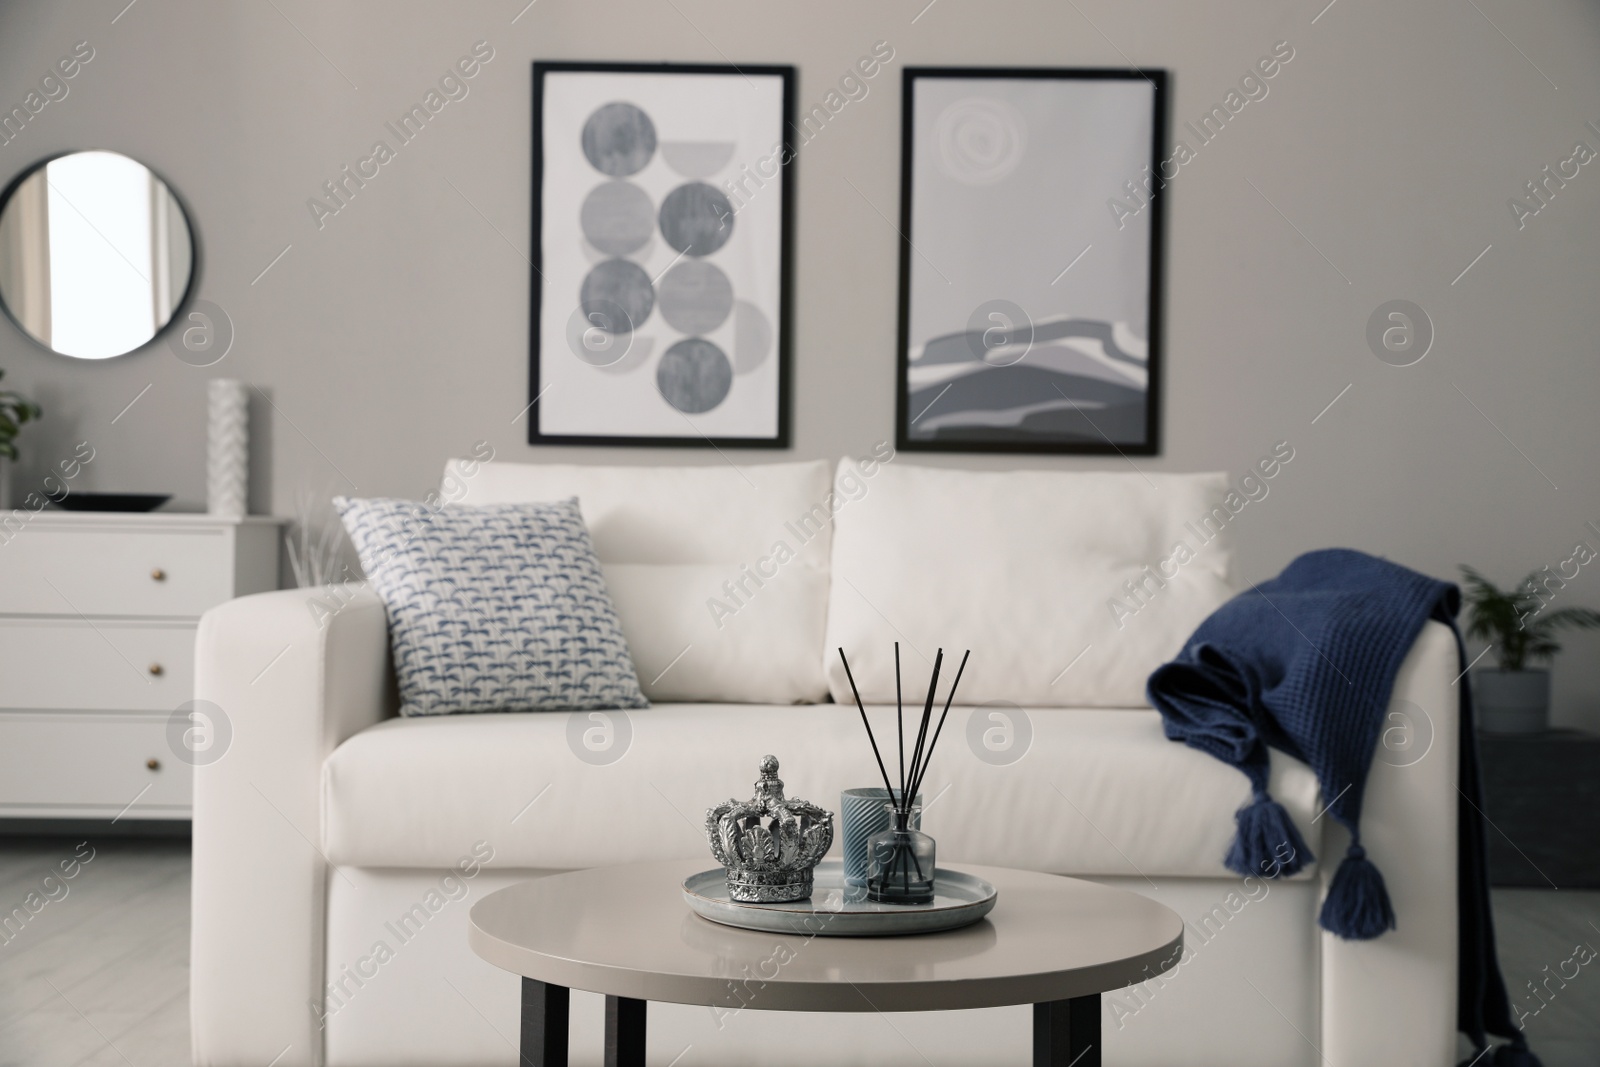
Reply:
x=864, y=722
x=899, y=718
x=927, y=713
x=917, y=781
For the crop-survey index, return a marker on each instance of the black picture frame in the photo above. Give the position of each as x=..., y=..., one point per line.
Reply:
x=1150, y=445
x=783, y=329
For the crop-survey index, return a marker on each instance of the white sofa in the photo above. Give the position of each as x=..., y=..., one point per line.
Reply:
x=338, y=848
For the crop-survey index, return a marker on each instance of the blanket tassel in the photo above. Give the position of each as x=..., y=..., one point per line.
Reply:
x=1267, y=844
x=1357, y=907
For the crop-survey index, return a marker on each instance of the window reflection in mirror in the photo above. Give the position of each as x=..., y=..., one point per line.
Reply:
x=95, y=254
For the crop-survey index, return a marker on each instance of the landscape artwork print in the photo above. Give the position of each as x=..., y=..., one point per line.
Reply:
x=1029, y=261
x=661, y=213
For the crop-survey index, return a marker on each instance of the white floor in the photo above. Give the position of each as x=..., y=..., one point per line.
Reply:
x=99, y=976
x=1539, y=928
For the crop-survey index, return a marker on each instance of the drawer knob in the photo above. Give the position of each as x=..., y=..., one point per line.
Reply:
x=158, y=575
x=155, y=669
x=153, y=764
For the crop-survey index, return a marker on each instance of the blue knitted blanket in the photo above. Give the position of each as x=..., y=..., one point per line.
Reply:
x=1305, y=663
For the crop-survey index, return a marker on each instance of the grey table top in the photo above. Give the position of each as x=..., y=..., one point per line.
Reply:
x=626, y=931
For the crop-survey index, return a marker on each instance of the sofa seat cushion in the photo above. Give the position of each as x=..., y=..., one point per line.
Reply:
x=1096, y=792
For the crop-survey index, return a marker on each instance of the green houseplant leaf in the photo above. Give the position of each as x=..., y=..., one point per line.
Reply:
x=1516, y=622
x=15, y=409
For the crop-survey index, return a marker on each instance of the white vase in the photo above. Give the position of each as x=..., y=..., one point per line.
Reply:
x=227, y=447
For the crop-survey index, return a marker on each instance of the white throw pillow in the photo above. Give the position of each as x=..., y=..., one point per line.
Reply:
x=1068, y=587
x=712, y=608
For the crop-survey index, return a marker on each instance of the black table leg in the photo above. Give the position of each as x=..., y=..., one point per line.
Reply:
x=1066, y=1033
x=624, y=1032
x=544, y=1024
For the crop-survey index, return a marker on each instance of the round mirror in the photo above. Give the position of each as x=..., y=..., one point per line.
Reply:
x=95, y=254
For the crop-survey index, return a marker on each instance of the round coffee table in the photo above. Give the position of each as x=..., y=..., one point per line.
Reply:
x=1056, y=943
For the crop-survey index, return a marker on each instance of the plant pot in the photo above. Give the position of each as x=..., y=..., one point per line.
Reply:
x=5, y=484
x=1512, y=702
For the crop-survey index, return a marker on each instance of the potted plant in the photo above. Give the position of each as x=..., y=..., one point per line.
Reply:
x=15, y=410
x=1515, y=698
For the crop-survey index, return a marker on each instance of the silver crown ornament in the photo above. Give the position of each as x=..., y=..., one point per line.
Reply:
x=768, y=844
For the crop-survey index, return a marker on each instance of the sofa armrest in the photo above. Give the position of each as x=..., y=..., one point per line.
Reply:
x=291, y=674
x=1408, y=827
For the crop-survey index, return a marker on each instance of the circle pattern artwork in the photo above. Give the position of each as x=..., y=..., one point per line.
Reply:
x=694, y=376
x=619, y=139
x=697, y=159
x=591, y=338
x=695, y=297
x=752, y=337
x=981, y=140
x=696, y=219
x=617, y=217
x=614, y=290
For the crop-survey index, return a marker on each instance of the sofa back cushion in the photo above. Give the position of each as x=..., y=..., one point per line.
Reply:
x=1068, y=587
x=719, y=574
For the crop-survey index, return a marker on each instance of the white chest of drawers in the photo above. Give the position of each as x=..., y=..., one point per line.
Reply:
x=97, y=625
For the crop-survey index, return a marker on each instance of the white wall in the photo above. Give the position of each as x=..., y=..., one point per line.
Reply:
x=397, y=335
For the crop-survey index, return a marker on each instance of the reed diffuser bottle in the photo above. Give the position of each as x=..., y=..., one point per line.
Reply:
x=900, y=861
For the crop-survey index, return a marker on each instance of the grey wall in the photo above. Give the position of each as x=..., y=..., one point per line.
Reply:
x=1378, y=167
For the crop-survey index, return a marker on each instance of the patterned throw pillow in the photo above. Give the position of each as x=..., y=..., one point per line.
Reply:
x=500, y=607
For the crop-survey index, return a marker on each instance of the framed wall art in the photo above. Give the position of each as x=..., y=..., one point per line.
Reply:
x=662, y=211
x=1030, y=260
